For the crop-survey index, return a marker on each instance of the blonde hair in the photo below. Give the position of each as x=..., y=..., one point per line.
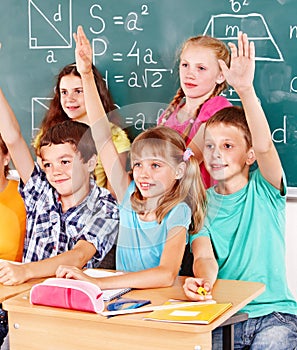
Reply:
x=221, y=52
x=169, y=144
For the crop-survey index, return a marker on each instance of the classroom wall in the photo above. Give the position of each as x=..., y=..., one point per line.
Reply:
x=291, y=239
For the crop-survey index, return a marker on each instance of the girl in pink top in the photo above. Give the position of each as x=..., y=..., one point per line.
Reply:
x=197, y=99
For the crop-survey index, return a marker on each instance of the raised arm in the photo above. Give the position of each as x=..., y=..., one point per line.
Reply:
x=11, y=134
x=98, y=120
x=240, y=76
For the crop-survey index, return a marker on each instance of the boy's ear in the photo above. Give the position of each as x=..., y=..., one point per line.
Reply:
x=92, y=162
x=251, y=157
x=180, y=170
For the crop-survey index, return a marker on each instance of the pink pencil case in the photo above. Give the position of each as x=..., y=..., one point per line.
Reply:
x=68, y=294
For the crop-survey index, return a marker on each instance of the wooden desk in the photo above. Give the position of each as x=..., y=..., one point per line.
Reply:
x=7, y=292
x=39, y=327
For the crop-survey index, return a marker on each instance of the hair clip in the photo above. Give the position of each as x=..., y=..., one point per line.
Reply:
x=187, y=154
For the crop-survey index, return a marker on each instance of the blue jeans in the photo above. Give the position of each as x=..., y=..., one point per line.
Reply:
x=3, y=324
x=276, y=331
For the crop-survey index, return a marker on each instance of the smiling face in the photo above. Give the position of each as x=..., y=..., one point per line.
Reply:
x=199, y=71
x=72, y=98
x=227, y=156
x=66, y=172
x=153, y=174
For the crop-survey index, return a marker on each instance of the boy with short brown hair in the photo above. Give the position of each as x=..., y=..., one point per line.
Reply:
x=69, y=219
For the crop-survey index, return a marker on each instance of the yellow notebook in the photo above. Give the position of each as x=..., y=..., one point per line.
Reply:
x=199, y=314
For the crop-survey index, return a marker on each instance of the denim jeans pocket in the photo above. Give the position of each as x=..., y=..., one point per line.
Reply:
x=287, y=319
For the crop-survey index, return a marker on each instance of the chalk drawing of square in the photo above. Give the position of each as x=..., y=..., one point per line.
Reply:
x=50, y=25
x=226, y=26
x=39, y=107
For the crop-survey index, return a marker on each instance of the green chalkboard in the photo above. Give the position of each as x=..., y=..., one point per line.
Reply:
x=135, y=47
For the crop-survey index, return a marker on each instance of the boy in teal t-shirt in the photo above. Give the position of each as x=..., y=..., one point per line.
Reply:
x=243, y=233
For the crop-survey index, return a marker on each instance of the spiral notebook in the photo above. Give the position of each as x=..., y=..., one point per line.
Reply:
x=108, y=294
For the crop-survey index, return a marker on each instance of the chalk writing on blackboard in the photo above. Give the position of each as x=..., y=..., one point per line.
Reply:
x=138, y=115
x=147, y=73
x=136, y=44
x=287, y=133
x=226, y=27
x=58, y=36
x=39, y=106
x=237, y=6
x=141, y=115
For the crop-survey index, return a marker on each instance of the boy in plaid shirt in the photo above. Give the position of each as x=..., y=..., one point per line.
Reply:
x=69, y=219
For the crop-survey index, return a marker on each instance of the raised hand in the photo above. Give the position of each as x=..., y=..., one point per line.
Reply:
x=83, y=52
x=240, y=75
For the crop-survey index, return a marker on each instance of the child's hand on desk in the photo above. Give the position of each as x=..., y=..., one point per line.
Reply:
x=12, y=274
x=194, y=289
x=73, y=272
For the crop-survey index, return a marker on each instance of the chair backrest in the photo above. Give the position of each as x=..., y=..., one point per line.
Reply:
x=187, y=263
x=109, y=260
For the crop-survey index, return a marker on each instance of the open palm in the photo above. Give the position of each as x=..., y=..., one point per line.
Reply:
x=240, y=75
x=83, y=52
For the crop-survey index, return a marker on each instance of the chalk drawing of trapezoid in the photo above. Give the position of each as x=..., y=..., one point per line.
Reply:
x=50, y=24
x=226, y=27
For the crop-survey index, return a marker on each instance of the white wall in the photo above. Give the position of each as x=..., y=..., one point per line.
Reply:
x=291, y=241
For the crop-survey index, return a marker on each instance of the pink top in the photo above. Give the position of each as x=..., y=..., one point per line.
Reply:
x=208, y=109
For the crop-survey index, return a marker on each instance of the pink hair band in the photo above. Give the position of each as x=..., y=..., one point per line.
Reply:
x=187, y=154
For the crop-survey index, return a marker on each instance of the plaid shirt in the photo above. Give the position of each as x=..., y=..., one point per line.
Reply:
x=51, y=232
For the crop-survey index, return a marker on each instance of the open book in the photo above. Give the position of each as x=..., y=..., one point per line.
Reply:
x=197, y=314
x=108, y=294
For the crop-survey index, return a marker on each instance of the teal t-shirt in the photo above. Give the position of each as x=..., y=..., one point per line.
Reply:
x=140, y=243
x=246, y=229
